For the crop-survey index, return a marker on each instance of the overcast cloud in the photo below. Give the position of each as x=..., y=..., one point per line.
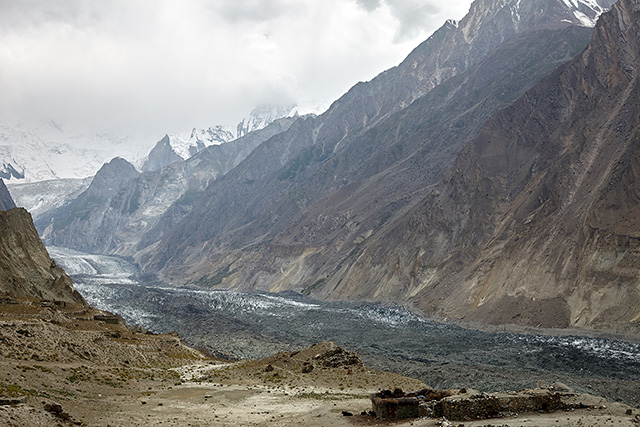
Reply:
x=173, y=64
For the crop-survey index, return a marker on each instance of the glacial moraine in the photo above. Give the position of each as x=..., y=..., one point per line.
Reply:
x=253, y=325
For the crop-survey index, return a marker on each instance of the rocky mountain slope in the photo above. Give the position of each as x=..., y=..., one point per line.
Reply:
x=313, y=205
x=26, y=270
x=536, y=222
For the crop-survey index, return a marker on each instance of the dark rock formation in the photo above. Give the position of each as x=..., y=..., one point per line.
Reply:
x=25, y=267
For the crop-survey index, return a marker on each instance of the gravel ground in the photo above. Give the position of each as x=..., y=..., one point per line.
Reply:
x=390, y=338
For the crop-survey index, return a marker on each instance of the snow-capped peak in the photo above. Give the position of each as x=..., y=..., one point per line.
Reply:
x=264, y=115
x=586, y=11
x=452, y=23
x=37, y=149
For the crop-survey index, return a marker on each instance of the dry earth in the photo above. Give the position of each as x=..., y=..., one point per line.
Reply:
x=71, y=365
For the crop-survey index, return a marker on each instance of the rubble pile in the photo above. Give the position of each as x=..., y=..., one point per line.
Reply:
x=463, y=405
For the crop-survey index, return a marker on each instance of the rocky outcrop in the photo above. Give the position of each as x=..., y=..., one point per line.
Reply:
x=6, y=201
x=26, y=270
x=535, y=223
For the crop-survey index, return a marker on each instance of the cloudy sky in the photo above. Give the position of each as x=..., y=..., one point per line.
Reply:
x=173, y=64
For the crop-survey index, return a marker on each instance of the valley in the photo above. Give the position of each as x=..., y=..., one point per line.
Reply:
x=463, y=226
x=255, y=325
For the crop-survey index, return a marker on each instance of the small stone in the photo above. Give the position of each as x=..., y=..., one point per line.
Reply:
x=54, y=408
x=561, y=387
x=11, y=401
x=629, y=411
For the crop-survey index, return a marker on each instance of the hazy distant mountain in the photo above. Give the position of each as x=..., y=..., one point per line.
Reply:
x=43, y=196
x=262, y=115
x=176, y=148
x=38, y=150
x=123, y=207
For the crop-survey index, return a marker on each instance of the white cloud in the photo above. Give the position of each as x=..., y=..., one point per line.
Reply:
x=170, y=65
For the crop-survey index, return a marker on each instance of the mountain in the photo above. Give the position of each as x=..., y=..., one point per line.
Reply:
x=308, y=205
x=174, y=148
x=6, y=201
x=88, y=208
x=263, y=115
x=26, y=270
x=123, y=209
x=35, y=149
x=304, y=202
x=38, y=150
x=536, y=222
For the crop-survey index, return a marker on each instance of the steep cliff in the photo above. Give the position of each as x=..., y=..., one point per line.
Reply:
x=537, y=221
x=25, y=267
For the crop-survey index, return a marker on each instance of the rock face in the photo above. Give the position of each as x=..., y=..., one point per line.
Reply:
x=25, y=267
x=303, y=204
x=537, y=221
x=163, y=155
x=85, y=213
x=6, y=202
